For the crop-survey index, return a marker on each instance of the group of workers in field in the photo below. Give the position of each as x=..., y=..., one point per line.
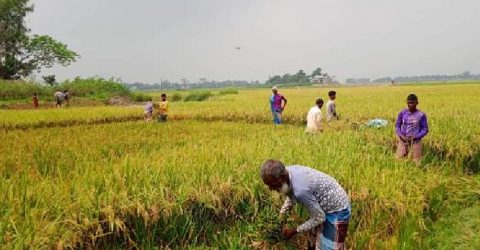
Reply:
x=162, y=109
x=60, y=97
x=327, y=202
x=63, y=97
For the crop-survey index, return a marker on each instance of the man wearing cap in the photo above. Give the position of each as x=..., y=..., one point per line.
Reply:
x=276, y=105
x=325, y=199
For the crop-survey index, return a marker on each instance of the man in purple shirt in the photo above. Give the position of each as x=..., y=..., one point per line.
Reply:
x=276, y=105
x=411, y=127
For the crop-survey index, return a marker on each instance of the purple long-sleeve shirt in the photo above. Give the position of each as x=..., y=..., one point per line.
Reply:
x=276, y=102
x=412, y=124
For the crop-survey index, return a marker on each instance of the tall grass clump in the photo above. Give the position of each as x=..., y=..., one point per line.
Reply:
x=19, y=90
x=228, y=92
x=176, y=97
x=140, y=97
x=198, y=96
x=95, y=88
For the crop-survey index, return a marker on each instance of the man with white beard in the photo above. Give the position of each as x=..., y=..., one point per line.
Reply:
x=325, y=199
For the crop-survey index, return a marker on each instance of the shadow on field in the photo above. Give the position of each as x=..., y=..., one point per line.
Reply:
x=469, y=162
x=135, y=227
x=172, y=224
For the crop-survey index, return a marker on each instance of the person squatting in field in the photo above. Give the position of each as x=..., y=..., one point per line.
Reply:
x=314, y=118
x=148, y=111
x=411, y=127
x=276, y=105
x=325, y=199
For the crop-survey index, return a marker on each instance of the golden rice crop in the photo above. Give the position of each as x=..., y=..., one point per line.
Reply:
x=195, y=183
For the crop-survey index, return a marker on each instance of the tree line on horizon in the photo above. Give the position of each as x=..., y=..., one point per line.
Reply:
x=465, y=76
x=317, y=76
x=196, y=85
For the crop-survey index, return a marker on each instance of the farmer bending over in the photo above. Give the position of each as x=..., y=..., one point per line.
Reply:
x=325, y=199
x=411, y=127
x=59, y=96
x=148, y=111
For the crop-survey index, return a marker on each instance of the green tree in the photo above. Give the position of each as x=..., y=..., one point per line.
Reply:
x=21, y=54
x=317, y=72
x=300, y=76
x=50, y=80
x=276, y=79
x=286, y=78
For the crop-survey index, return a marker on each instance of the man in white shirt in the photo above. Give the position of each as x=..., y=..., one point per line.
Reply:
x=59, y=97
x=314, y=118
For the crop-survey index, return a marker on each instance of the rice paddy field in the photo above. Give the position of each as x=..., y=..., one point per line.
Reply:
x=101, y=178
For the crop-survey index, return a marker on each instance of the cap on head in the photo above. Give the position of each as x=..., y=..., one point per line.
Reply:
x=274, y=88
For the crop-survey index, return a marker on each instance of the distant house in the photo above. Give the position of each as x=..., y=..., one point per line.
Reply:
x=317, y=79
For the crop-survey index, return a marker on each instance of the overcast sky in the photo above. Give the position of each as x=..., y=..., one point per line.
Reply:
x=150, y=40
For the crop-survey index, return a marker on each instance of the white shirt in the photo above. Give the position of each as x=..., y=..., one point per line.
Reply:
x=59, y=95
x=314, y=120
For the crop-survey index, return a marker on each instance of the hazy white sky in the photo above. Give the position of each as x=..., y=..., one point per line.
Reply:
x=150, y=40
